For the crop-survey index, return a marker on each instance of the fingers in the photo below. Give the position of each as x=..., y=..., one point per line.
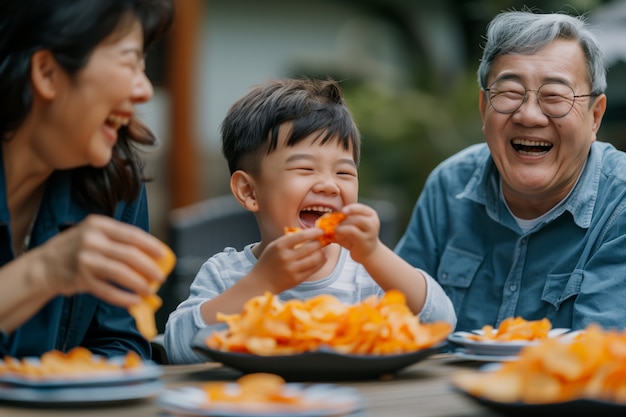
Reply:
x=124, y=267
x=357, y=229
x=112, y=295
x=114, y=261
x=130, y=251
x=291, y=259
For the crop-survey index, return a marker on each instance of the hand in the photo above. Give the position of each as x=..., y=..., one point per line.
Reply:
x=113, y=261
x=359, y=231
x=289, y=260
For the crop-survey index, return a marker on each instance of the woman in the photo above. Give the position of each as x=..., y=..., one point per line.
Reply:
x=74, y=246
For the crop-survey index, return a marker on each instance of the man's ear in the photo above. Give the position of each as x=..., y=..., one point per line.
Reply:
x=482, y=104
x=44, y=74
x=242, y=187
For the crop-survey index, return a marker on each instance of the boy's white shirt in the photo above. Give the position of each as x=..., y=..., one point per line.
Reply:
x=349, y=282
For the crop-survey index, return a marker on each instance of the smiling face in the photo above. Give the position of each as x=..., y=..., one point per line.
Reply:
x=88, y=110
x=539, y=157
x=295, y=185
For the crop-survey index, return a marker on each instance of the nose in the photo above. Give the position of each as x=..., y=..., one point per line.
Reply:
x=530, y=112
x=142, y=88
x=326, y=184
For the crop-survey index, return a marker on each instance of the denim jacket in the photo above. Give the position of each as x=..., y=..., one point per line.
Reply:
x=570, y=268
x=79, y=320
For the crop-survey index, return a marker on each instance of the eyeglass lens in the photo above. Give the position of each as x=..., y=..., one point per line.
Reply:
x=555, y=100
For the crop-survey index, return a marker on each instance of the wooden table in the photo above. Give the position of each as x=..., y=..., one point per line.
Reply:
x=422, y=390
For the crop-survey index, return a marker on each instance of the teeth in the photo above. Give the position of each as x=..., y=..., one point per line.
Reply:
x=118, y=120
x=318, y=208
x=528, y=142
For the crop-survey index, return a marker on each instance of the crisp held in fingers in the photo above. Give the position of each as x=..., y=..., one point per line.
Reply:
x=143, y=312
x=327, y=223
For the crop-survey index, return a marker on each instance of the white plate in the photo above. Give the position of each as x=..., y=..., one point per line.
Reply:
x=493, y=348
x=322, y=399
x=81, y=395
x=147, y=371
x=461, y=353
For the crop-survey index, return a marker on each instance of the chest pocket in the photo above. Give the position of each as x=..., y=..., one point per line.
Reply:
x=456, y=273
x=561, y=287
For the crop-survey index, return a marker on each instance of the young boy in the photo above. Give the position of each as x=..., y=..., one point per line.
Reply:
x=293, y=150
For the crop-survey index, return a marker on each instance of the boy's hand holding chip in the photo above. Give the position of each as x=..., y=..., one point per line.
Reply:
x=289, y=260
x=359, y=231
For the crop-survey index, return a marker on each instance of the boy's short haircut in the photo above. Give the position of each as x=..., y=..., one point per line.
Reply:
x=308, y=106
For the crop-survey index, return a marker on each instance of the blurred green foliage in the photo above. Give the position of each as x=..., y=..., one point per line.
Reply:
x=406, y=133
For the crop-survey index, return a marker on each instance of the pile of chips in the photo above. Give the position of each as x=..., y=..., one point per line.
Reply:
x=590, y=365
x=253, y=388
x=78, y=361
x=515, y=329
x=375, y=326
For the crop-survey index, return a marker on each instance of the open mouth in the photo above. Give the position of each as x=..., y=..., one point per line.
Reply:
x=309, y=215
x=531, y=147
x=115, y=121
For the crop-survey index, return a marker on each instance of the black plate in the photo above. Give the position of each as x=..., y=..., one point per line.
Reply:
x=575, y=408
x=318, y=365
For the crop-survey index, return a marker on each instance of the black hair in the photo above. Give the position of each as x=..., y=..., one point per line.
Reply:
x=71, y=30
x=250, y=129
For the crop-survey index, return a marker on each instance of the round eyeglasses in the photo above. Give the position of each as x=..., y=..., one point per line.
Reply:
x=555, y=99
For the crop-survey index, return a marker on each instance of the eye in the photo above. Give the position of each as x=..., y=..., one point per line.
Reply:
x=347, y=172
x=301, y=168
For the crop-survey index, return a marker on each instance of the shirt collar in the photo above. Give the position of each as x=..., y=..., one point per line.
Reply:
x=483, y=188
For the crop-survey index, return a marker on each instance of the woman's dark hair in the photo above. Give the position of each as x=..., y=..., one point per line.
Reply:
x=71, y=30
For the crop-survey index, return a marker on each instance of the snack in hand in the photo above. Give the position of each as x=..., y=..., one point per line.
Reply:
x=327, y=222
x=143, y=312
x=375, y=326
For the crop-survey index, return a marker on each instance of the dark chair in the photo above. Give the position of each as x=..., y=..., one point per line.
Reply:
x=197, y=232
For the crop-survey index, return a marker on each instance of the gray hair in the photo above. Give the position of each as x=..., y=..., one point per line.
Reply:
x=525, y=33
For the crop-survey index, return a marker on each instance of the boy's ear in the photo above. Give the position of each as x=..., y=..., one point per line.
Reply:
x=242, y=187
x=44, y=74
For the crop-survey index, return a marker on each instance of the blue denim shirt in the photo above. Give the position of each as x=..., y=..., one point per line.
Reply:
x=570, y=268
x=80, y=320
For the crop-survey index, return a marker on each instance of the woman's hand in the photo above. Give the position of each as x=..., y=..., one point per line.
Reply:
x=111, y=260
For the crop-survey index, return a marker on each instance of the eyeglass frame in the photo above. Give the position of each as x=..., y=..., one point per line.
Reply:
x=538, y=95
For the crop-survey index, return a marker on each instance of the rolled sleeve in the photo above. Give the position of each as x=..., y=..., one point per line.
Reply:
x=437, y=306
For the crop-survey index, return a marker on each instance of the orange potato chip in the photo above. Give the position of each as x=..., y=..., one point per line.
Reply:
x=144, y=311
x=375, y=326
x=327, y=222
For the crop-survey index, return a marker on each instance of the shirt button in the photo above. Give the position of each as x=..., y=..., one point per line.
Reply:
x=513, y=288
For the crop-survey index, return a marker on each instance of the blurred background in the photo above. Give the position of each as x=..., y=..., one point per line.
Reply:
x=407, y=67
